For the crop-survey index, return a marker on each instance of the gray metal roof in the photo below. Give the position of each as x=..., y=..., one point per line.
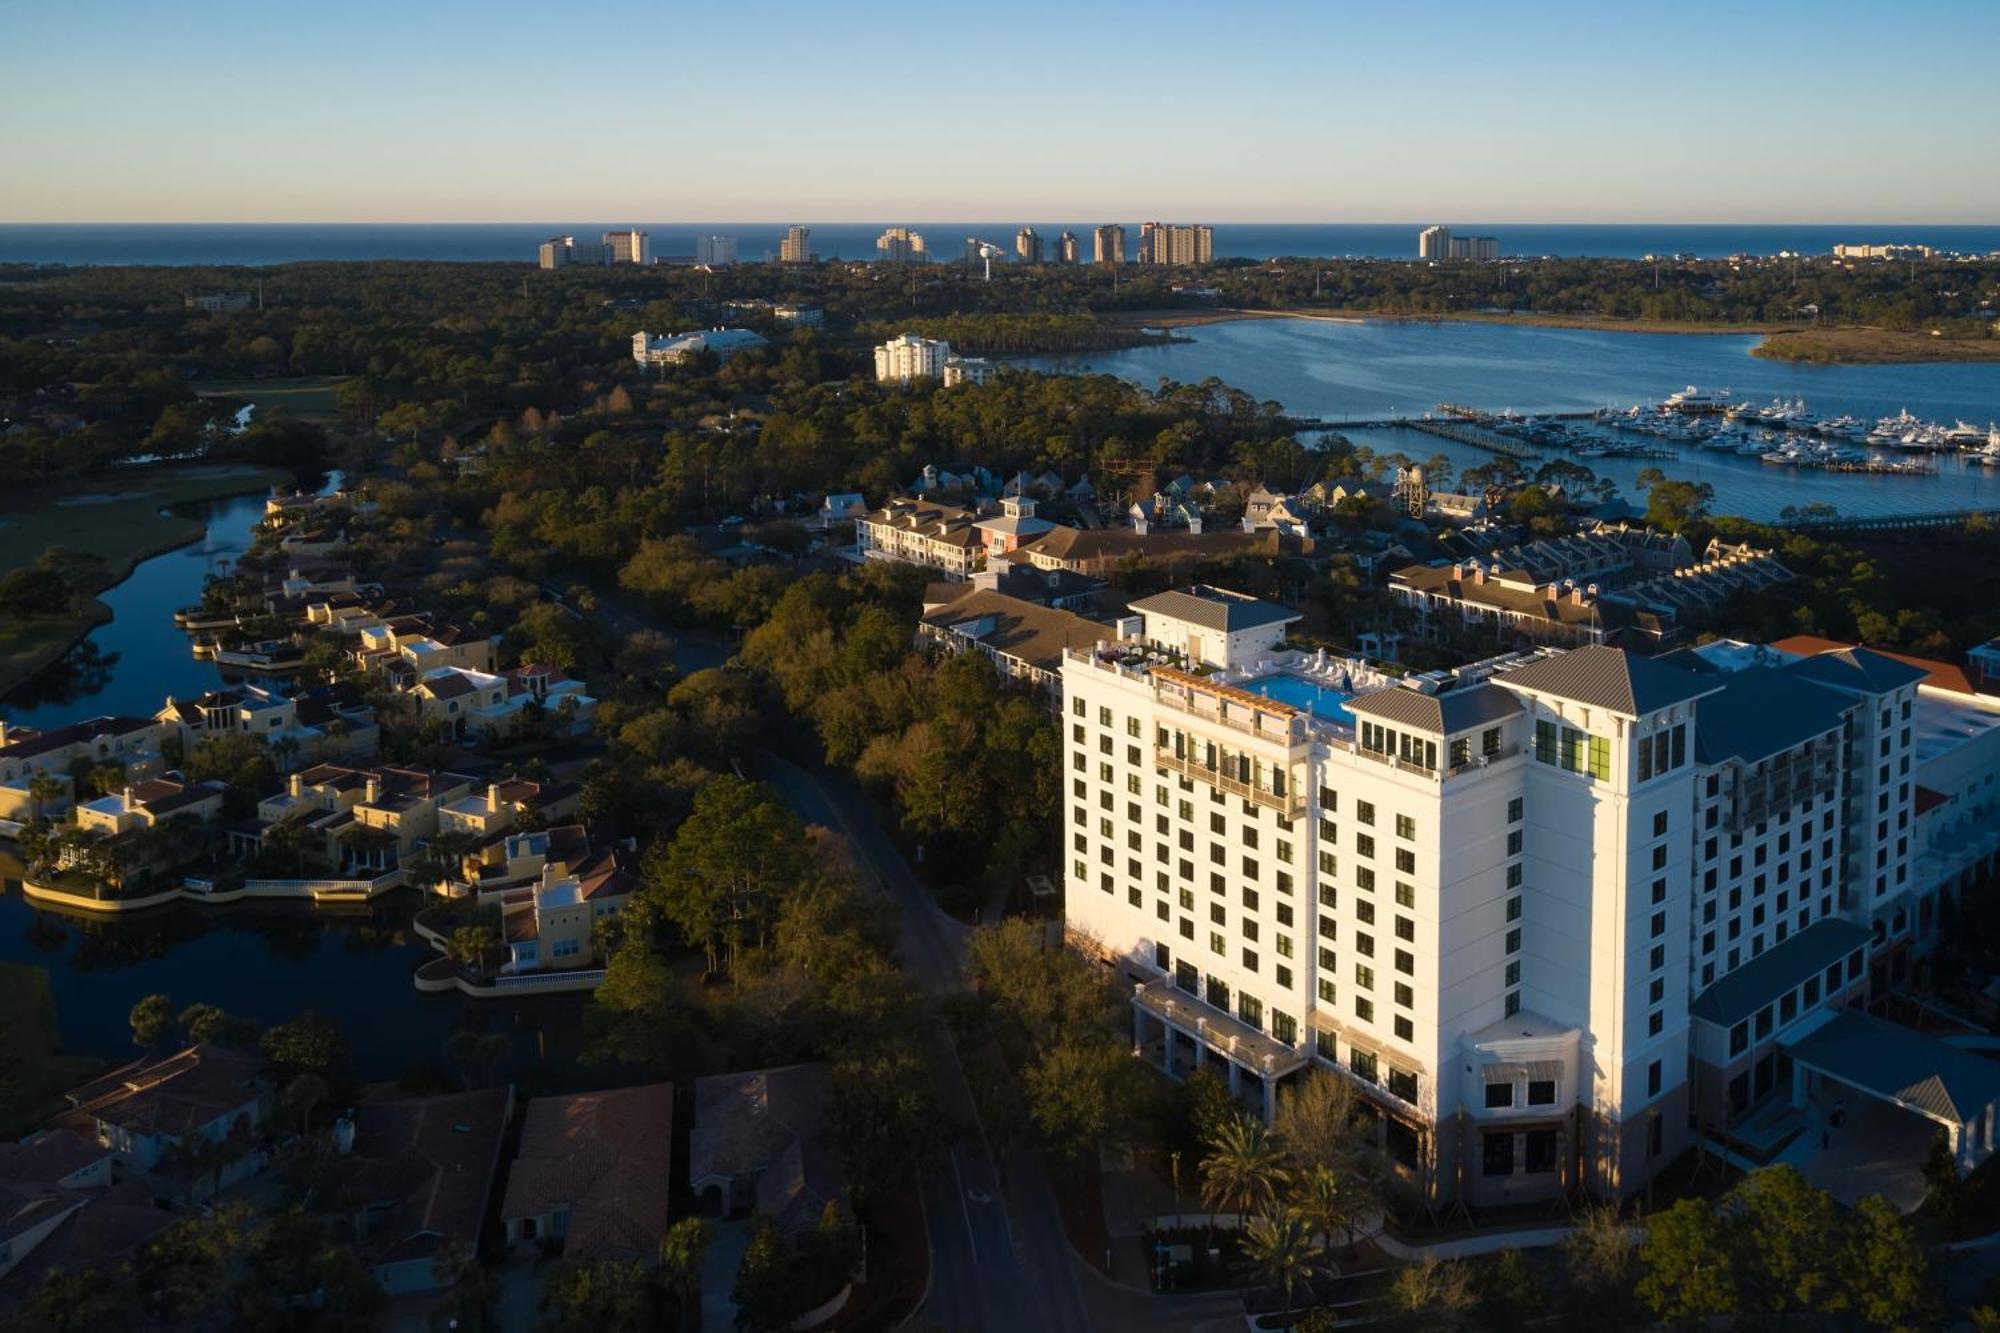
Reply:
x=1857, y=669
x=1610, y=678
x=1888, y=1060
x=1445, y=713
x=1212, y=608
x=1778, y=969
x=1762, y=711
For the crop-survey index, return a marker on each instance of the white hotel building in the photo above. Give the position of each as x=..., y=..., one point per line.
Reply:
x=1553, y=912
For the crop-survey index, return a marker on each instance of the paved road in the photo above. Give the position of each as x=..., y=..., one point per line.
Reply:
x=1000, y=1258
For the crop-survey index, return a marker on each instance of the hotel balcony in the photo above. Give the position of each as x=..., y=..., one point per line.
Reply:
x=1291, y=805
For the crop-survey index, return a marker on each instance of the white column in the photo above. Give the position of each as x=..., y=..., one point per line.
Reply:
x=1235, y=1076
x=1139, y=1030
x=1270, y=1099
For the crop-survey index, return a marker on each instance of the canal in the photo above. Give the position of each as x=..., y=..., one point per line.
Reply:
x=267, y=962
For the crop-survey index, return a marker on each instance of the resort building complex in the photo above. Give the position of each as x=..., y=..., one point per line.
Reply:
x=1556, y=912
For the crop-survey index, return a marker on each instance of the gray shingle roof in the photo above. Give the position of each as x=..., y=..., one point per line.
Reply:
x=1761, y=712
x=1451, y=711
x=1891, y=1061
x=1211, y=608
x=1610, y=678
x=1778, y=969
x=1857, y=669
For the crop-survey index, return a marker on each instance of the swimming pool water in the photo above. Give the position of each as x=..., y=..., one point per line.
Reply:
x=1322, y=701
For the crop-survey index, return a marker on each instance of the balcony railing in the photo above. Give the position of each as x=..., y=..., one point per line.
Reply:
x=1291, y=806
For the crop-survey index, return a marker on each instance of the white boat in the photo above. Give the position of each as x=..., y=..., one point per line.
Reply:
x=1964, y=435
x=1692, y=399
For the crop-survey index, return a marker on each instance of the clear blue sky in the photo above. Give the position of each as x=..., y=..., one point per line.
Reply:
x=766, y=110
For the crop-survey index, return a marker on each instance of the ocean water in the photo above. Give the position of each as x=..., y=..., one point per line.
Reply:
x=1365, y=369
x=275, y=243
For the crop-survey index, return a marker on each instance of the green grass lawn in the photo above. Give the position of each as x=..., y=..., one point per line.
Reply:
x=307, y=397
x=34, y=1073
x=117, y=517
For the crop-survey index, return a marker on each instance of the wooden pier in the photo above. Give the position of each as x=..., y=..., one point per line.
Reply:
x=1838, y=523
x=1459, y=432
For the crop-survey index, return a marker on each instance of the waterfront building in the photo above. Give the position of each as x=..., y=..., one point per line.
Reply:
x=1028, y=246
x=900, y=245
x=1552, y=914
x=628, y=247
x=968, y=370
x=131, y=743
x=1068, y=250
x=561, y=252
x=551, y=925
x=676, y=348
x=715, y=251
x=796, y=247
x=920, y=532
x=592, y=1174
x=911, y=356
x=1175, y=243
x=217, y=303
x=1109, y=244
x=1894, y=252
x=1434, y=243
x=358, y=823
x=142, y=830
x=324, y=724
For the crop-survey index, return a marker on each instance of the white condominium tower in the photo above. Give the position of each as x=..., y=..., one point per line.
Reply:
x=1551, y=912
x=900, y=245
x=1028, y=246
x=1175, y=243
x=715, y=251
x=795, y=248
x=909, y=357
x=1434, y=243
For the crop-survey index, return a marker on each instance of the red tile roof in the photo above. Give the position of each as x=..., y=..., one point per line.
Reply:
x=424, y=1167
x=607, y=1157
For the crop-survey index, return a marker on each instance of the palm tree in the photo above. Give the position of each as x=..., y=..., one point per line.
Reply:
x=681, y=1257
x=1245, y=1169
x=43, y=788
x=302, y=1095
x=1279, y=1249
x=1334, y=1200
x=285, y=748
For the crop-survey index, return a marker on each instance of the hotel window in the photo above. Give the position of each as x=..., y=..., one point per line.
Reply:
x=1513, y=909
x=1327, y=863
x=1285, y=1028
x=1653, y=1079
x=1364, y=1009
x=1496, y=1156
x=1249, y=929
x=1489, y=742
x=1514, y=940
x=1284, y=946
x=1545, y=742
x=1514, y=842
x=1406, y=861
x=1327, y=959
x=1514, y=875
x=1403, y=1084
x=1405, y=1029
x=1512, y=1004
x=1364, y=945
x=1365, y=812
x=1406, y=929
x=1514, y=810
x=1364, y=1064
x=1284, y=883
x=1329, y=896
x=1284, y=914
x=1513, y=972
x=1406, y=827
x=1405, y=997
x=1461, y=752
x=1103, y=716
x=1218, y=944
x=1364, y=976
x=1364, y=845
x=1076, y=707
x=1655, y=1023
x=1406, y=962
x=1251, y=1010
x=1249, y=960
x=1329, y=800
x=1284, y=975
x=1499, y=1096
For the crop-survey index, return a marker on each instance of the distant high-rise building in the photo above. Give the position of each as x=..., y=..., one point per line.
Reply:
x=1110, y=244
x=1067, y=249
x=557, y=252
x=1028, y=246
x=715, y=251
x=1437, y=243
x=793, y=249
x=1176, y=243
x=628, y=247
x=900, y=245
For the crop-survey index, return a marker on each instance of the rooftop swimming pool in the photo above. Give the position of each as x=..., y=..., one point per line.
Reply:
x=1321, y=701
